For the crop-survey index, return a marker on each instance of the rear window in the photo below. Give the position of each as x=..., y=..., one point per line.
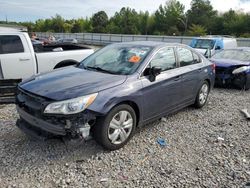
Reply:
x=185, y=57
x=10, y=44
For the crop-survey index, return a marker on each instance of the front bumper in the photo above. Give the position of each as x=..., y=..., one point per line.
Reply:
x=225, y=78
x=34, y=122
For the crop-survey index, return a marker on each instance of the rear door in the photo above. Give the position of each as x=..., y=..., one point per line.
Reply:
x=192, y=70
x=15, y=58
x=164, y=93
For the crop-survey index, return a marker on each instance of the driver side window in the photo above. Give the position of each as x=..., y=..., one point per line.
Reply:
x=164, y=59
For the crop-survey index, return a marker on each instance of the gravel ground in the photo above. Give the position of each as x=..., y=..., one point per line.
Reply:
x=193, y=157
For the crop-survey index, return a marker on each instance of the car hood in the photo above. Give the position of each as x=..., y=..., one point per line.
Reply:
x=229, y=62
x=70, y=82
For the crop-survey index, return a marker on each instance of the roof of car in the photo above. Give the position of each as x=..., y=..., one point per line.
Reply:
x=152, y=43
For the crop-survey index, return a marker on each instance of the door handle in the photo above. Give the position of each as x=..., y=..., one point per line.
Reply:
x=24, y=59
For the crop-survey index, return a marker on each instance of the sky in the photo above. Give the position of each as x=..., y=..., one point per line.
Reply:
x=31, y=10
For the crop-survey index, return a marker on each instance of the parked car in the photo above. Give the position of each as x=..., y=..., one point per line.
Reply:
x=20, y=60
x=113, y=91
x=67, y=40
x=233, y=67
x=213, y=43
x=44, y=41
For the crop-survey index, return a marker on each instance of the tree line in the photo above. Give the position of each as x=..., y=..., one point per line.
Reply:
x=168, y=19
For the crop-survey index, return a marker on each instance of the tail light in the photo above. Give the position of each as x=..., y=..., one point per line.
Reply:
x=213, y=67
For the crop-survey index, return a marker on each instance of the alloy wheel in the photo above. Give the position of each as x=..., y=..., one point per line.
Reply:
x=120, y=127
x=203, y=94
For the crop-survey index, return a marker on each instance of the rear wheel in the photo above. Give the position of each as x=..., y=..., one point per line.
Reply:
x=115, y=129
x=202, y=95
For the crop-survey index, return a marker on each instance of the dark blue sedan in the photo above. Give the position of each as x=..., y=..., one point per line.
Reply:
x=113, y=91
x=233, y=67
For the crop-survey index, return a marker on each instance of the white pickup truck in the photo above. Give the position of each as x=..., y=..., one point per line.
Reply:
x=19, y=60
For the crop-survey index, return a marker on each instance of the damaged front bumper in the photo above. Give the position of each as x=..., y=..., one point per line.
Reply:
x=35, y=123
x=226, y=78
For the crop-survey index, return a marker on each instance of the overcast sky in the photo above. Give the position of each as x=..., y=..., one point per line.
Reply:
x=31, y=10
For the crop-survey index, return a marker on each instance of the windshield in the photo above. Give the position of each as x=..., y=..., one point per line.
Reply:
x=117, y=59
x=239, y=55
x=203, y=43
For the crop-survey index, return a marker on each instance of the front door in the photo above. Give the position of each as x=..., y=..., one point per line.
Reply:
x=163, y=94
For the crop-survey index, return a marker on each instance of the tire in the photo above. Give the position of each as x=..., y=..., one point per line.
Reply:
x=114, y=136
x=243, y=82
x=202, y=95
x=247, y=82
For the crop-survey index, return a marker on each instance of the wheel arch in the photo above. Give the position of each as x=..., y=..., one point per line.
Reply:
x=134, y=106
x=65, y=63
x=209, y=83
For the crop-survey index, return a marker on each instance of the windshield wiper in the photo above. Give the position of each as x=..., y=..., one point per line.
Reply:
x=99, y=69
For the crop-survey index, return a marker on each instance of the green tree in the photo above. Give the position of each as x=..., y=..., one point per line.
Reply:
x=67, y=27
x=169, y=16
x=126, y=20
x=235, y=23
x=168, y=19
x=77, y=26
x=151, y=24
x=87, y=26
x=40, y=25
x=143, y=18
x=216, y=26
x=56, y=23
x=197, y=30
x=201, y=13
x=99, y=22
x=30, y=26
x=112, y=27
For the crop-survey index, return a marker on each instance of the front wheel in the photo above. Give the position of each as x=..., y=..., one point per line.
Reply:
x=202, y=95
x=242, y=81
x=115, y=129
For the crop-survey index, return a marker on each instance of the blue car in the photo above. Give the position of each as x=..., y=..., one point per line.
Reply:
x=115, y=90
x=233, y=67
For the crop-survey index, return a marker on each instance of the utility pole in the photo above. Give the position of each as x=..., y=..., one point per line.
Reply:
x=6, y=19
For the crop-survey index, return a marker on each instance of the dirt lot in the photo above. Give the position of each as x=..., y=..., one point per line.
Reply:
x=195, y=156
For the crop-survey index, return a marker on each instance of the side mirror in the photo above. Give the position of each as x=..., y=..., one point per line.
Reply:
x=217, y=48
x=153, y=72
x=208, y=53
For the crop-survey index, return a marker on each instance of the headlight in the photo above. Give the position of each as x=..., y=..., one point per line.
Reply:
x=241, y=69
x=71, y=106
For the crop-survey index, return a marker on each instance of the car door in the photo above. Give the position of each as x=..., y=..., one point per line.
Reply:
x=163, y=94
x=15, y=59
x=192, y=71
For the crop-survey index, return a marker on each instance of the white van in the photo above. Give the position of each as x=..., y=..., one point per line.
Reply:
x=214, y=43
